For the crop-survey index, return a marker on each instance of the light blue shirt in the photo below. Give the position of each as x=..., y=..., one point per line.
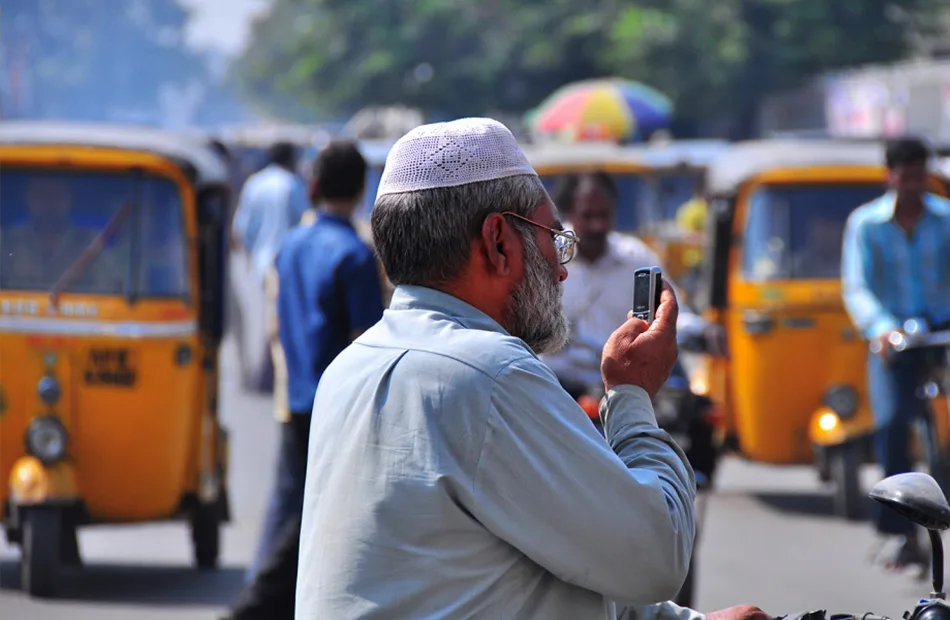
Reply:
x=272, y=202
x=450, y=476
x=889, y=276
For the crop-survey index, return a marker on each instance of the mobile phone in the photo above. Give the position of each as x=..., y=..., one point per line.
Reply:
x=647, y=286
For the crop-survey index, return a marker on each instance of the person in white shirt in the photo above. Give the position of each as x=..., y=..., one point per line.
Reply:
x=601, y=284
x=272, y=202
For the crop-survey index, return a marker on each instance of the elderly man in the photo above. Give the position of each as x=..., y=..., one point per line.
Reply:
x=449, y=475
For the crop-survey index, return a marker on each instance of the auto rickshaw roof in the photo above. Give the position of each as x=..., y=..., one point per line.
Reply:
x=580, y=155
x=691, y=153
x=192, y=153
x=744, y=160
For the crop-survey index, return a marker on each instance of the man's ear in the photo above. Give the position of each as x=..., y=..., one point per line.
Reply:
x=499, y=245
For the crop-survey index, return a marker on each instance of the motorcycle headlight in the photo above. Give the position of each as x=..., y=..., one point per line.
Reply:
x=843, y=400
x=46, y=439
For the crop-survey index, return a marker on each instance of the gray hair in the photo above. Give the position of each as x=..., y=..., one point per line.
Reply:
x=424, y=238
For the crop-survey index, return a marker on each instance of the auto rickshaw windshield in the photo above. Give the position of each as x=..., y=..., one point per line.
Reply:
x=675, y=189
x=50, y=217
x=635, y=198
x=795, y=231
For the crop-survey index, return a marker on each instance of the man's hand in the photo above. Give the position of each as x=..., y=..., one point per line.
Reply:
x=739, y=612
x=642, y=355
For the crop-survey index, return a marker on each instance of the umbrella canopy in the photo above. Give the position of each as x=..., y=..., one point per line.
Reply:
x=609, y=108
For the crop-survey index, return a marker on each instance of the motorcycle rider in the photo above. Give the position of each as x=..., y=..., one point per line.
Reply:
x=894, y=267
x=600, y=288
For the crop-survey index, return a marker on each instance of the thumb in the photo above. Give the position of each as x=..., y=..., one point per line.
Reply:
x=668, y=312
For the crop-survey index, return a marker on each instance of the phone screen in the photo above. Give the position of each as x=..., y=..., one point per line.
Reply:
x=641, y=293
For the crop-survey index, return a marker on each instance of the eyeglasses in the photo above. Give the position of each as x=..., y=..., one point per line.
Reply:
x=565, y=241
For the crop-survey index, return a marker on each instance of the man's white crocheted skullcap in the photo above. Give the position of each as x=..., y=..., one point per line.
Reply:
x=467, y=150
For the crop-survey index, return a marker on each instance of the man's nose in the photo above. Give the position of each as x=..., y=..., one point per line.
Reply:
x=562, y=273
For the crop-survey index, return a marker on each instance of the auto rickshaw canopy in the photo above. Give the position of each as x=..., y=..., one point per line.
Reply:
x=744, y=160
x=203, y=166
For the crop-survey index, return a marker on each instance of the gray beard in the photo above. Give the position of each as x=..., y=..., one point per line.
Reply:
x=535, y=313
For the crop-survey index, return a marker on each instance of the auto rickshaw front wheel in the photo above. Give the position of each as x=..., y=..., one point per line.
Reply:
x=844, y=465
x=206, y=534
x=40, y=550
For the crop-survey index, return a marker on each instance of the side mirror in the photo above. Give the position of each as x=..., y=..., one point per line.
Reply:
x=920, y=499
x=915, y=496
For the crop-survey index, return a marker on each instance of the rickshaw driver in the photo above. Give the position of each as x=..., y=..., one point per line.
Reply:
x=42, y=249
x=600, y=288
x=894, y=268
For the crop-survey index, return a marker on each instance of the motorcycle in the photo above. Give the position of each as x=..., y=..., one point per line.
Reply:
x=932, y=431
x=918, y=497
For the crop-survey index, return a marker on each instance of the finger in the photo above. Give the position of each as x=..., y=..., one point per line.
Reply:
x=637, y=326
x=668, y=311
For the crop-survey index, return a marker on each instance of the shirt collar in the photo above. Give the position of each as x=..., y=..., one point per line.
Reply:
x=332, y=217
x=407, y=297
x=888, y=204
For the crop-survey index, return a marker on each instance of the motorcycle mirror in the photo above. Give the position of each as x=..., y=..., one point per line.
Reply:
x=919, y=498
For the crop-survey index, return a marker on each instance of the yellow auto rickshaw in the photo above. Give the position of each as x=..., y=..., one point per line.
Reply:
x=652, y=182
x=554, y=161
x=112, y=245
x=787, y=368
x=676, y=171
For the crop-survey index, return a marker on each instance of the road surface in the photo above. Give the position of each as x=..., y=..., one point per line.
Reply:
x=769, y=539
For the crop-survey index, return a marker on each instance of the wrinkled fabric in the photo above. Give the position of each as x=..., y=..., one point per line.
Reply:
x=450, y=476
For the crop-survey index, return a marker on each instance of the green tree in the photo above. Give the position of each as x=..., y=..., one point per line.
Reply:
x=717, y=60
x=454, y=57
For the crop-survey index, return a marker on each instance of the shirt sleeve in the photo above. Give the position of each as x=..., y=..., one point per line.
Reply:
x=240, y=221
x=364, y=296
x=614, y=518
x=857, y=263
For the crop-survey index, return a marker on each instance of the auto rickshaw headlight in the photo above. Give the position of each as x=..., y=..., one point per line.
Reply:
x=46, y=439
x=49, y=390
x=843, y=400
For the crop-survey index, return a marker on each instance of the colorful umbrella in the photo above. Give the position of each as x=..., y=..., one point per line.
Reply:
x=609, y=108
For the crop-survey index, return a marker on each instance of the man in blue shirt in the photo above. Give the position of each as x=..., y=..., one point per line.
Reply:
x=329, y=292
x=895, y=266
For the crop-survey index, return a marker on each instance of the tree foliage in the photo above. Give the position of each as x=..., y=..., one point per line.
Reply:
x=457, y=57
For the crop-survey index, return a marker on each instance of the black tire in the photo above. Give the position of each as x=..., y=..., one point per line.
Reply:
x=844, y=465
x=39, y=562
x=206, y=535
